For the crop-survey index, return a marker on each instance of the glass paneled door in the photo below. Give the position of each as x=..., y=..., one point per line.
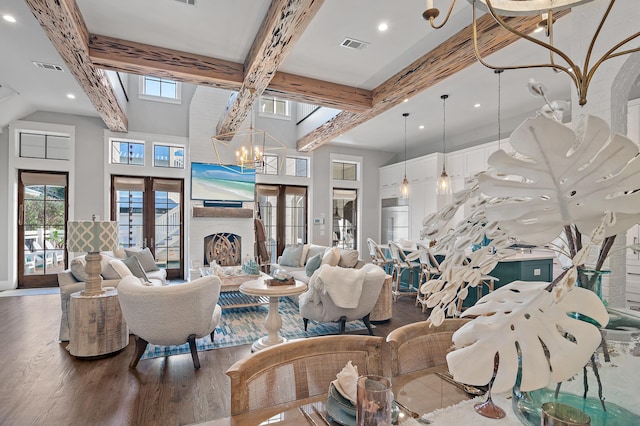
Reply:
x=283, y=210
x=149, y=212
x=42, y=219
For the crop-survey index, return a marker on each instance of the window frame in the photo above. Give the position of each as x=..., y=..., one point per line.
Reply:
x=128, y=141
x=170, y=146
x=47, y=154
x=297, y=157
x=356, y=164
x=147, y=97
x=274, y=100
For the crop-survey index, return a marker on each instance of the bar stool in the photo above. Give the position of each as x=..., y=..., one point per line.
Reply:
x=378, y=257
x=401, y=264
x=429, y=269
x=487, y=281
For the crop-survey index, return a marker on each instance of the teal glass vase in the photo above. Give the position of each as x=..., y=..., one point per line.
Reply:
x=617, y=374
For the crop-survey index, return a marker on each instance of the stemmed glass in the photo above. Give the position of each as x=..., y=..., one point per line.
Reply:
x=489, y=408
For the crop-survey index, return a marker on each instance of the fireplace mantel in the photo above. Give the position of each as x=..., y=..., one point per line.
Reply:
x=222, y=212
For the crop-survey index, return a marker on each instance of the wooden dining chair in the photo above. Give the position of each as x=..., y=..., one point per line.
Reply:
x=418, y=346
x=299, y=369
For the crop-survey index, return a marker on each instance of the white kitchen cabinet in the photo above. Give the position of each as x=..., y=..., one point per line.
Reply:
x=390, y=178
x=455, y=164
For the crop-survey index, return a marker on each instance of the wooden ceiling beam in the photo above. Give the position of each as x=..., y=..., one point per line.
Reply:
x=143, y=59
x=65, y=27
x=285, y=22
x=452, y=56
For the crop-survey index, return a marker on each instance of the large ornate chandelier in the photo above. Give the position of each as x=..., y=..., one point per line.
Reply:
x=501, y=9
x=254, y=149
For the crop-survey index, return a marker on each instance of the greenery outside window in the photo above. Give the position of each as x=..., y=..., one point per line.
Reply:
x=297, y=166
x=168, y=156
x=127, y=152
x=160, y=89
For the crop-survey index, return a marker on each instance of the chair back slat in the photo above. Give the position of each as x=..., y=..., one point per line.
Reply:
x=419, y=346
x=299, y=369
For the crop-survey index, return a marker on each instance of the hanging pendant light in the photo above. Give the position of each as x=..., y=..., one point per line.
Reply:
x=404, y=188
x=444, y=181
x=499, y=72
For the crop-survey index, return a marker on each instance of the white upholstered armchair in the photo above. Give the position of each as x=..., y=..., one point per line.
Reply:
x=339, y=295
x=170, y=315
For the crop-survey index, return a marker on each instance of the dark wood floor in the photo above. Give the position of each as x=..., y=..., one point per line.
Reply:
x=43, y=384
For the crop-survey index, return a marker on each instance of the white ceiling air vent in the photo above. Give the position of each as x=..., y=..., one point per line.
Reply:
x=189, y=2
x=48, y=66
x=352, y=43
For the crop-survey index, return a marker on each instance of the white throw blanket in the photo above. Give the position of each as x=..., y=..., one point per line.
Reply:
x=343, y=285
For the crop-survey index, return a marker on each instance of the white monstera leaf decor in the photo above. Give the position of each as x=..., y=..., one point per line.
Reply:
x=560, y=177
x=524, y=317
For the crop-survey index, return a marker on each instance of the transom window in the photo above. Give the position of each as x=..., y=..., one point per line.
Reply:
x=50, y=147
x=159, y=89
x=271, y=106
x=168, y=156
x=127, y=152
x=342, y=170
x=270, y=166
x=297, y=166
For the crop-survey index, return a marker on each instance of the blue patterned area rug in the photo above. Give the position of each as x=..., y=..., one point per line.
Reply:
x=242, y=326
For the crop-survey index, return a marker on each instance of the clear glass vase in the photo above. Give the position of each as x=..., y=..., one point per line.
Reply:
x=591, y=279
x=612, y=403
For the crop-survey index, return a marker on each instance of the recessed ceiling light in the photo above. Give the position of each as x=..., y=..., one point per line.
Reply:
x=9, y=18
x=71, y=96
x=421, y=127
x=406, y=100
x=383, y=26
x=476, y=105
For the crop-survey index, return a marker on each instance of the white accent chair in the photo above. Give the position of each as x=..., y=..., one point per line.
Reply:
x=170, y=315
x=318, y=305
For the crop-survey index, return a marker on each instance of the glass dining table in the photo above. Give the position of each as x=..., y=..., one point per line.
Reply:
x=420, y=392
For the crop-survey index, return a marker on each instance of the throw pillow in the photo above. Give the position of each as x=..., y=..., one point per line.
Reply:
x=108, y=272
x=119, y=252
x=291, y=255
x=315, y=249
x=145, y=257
x=77, y=268
x=313, y=264
x=135, y=267
x=331, y=257
x=305, y=255
x=348, y=258
x=119, y=266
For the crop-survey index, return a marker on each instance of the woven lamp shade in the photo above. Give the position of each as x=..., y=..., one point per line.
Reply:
x=91, y=237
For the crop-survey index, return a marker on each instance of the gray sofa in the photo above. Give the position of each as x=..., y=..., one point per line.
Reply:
x=348, y=259
x=69, y=283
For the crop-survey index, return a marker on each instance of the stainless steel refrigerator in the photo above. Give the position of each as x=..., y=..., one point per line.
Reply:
x=395, y=220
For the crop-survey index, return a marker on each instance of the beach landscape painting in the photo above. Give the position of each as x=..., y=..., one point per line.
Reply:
x=217, y=182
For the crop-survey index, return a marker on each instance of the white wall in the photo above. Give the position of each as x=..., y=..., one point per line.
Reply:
x=4, y=218
x=158, y=117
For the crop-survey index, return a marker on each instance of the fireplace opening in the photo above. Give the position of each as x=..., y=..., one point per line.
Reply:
x=223, y=248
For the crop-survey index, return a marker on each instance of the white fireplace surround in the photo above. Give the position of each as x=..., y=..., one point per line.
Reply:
x=203, y=226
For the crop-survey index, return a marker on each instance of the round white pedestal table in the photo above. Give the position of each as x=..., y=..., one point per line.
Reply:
x=273, y=322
